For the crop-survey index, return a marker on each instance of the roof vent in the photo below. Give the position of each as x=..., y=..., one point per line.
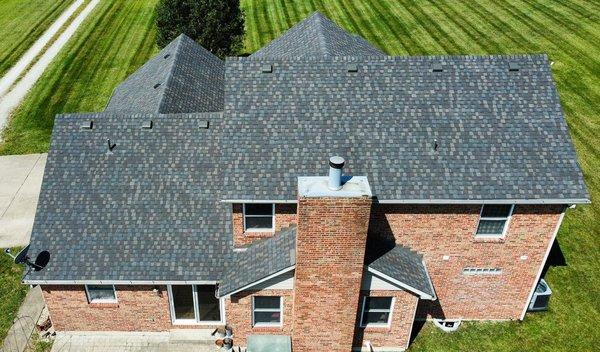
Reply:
x=156, y=85
x=147, y=125
x=203, y=124
x=513, y=67
x=352, y=68
x=111, y=146
x=336, y=163
x=435, y=145
x=88, y=125
x=267, y=68
x=437, y=67
x=167, y=56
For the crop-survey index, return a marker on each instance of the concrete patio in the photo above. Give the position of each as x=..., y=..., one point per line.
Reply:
x=172, y=341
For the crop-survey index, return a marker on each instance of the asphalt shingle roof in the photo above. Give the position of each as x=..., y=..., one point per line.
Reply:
x=152, y=208
x=404, y=265
x=260, y=260
x=148, y=211
x=183, y=77
x=317, y=36
x=500, y=134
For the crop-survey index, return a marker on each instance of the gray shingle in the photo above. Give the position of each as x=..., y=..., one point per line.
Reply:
x=406, y=266
x=317, y=36
x=183, y=77
x=260, y=260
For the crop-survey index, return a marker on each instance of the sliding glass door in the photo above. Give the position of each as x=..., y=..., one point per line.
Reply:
x=195, y=304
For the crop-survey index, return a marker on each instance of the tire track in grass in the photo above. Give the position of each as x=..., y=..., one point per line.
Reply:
x=485, y=43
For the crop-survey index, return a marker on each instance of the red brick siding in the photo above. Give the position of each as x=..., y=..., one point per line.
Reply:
x=330, y=245
x=285, y=216
x=438, y=230
x=398, y=334
x=239, y=314
x=138, y=309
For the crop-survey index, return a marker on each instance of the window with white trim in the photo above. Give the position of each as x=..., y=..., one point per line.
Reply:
x=376, y=311
x=493, y=220
x=195, y=304
x=259, y=217
x=267, y=310
x=101, y=293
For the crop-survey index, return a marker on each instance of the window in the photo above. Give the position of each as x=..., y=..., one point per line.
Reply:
x=101, y=293
x=482, y=271
x=493, y=220
x=259, y=217
x=267, y=311
x=195, y=304
x=376, y=311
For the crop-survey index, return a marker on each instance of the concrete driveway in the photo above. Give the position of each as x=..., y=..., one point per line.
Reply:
x=20, y=183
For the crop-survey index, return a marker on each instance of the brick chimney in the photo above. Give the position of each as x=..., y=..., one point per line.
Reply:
x=333, y=217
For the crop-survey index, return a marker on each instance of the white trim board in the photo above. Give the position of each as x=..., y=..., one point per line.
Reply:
x=435, y=201
x=280, y=272
x=118, y=282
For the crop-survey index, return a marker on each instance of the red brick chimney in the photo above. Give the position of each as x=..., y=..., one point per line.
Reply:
x=330, y=249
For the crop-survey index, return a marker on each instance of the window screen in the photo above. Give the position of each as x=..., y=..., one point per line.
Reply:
x=267, y=310
x=376, y=311
x=258, y=217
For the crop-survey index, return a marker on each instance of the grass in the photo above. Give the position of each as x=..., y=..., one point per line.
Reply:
x=119, y=36
x=22, y=22
x=115, y=39
x=12, y=292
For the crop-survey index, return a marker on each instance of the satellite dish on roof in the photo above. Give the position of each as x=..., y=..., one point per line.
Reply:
x=40, y=262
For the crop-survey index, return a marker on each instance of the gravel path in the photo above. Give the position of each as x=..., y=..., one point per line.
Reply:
x=17, y=70
x=12, y=100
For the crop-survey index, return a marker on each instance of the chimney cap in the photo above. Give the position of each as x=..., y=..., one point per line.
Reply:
x=337, y=162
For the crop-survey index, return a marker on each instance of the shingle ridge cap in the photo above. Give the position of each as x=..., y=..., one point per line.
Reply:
x=320, y=32
x=176, y=54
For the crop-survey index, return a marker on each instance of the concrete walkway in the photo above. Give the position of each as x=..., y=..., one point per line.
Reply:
x=27, y=316
x=20, y=183
x=12, y=99
x=36, y=49
x=174, y=341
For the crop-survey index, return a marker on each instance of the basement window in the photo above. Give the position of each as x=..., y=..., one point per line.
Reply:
x=101, y=293
x=267, y=311
x=376, y=312
x=259, y=217
x=493, y=220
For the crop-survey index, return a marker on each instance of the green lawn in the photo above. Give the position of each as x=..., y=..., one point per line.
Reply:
x=115, y=39
x=119, y=37
x=22, y=22
x=12, y=292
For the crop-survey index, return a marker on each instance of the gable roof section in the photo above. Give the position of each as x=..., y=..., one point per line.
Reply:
x=501, y=135
x=317, y=36
x=183, y=77
x=259, y=262
x=405, y=268
x=146, y=212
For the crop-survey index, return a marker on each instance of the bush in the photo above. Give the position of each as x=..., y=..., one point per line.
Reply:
x=217, y=25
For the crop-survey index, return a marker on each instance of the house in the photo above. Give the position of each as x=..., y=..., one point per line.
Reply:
x=318, y=189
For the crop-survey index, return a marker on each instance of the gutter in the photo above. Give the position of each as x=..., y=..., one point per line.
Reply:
x=432, y=201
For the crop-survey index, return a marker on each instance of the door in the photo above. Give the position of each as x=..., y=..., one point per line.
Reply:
x=195, y=304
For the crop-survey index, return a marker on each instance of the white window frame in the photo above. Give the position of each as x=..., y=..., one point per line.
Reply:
x=195, y=321
x=505, y=219
x=254, y=310
x=377, y=325
x=101, y=300
x=272, y=229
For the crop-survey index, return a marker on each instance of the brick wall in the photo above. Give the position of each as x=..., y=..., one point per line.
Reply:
x=439, y=230
x=398, y=334
x=138, y=309
x=285, y=216
x=239, y=314
x=330, y=246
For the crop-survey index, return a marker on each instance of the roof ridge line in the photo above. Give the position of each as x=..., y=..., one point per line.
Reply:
x=169, y=79
x=321, y=34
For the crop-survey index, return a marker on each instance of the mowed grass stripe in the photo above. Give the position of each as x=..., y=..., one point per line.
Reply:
x=83, y=76
x=391, y=35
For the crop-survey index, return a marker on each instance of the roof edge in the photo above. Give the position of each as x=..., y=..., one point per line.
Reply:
x=254, y=283
x=432, y=201
x=421, y=294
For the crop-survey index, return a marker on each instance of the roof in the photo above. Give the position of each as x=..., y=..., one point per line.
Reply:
x=183, y=77
x=151, y=209
x=317, y=36
x=500, y=134
x=145, y=211
x=406, y=268
x=259, y=261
